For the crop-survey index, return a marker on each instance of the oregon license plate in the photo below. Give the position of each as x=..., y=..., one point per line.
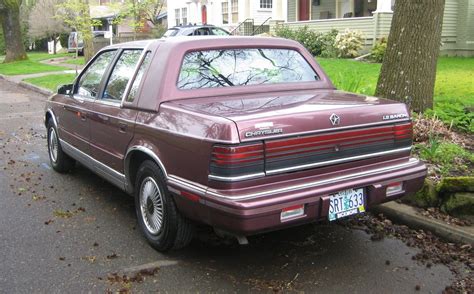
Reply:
x=345, y=203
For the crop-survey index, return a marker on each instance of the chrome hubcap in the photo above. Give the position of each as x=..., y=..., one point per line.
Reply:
x=151, y=205
x=53, y=144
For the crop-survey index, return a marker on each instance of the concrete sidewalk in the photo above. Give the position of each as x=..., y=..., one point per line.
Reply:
x=408, y=215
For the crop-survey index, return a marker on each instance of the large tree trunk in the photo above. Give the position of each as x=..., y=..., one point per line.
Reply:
x=10, y=18
x=409, y=66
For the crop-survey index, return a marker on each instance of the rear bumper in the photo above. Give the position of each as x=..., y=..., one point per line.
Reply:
x=257, y=210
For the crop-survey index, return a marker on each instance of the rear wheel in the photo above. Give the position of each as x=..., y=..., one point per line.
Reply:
x=159, y=219
x=60, y=161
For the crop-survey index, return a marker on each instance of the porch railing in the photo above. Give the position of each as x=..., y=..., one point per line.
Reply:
x=245, y=28
x=262, y=28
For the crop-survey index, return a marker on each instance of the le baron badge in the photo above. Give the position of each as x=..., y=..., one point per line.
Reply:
x=394, y=116
x=263, y=129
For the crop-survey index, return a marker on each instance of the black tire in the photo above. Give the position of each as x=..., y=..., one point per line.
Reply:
x=61, y=162
x=174, y=231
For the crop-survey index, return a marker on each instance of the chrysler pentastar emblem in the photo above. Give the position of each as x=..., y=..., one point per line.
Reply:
x=335, y=120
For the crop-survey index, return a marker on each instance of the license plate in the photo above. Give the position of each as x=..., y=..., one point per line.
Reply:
x=345, y=203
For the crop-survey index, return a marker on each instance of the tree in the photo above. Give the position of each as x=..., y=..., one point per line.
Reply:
x=10, y=19
x=140, y=12
x=43, y=23
x=409, y=67
x=76, y=14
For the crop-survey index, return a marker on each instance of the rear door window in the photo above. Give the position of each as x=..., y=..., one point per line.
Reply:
x=138, y=78
x=121, y=74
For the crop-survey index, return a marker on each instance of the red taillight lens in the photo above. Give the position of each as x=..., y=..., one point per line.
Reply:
x=229, y=155
x=232, y=163
x=403, y=131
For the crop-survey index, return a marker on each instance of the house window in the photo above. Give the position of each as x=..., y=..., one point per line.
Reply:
x=225, y=12
x=266, y=4
x=184, y=15
x=235, y=10
x=177, y=16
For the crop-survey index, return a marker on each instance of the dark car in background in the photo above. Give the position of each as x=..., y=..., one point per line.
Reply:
x=195, y=30
x=244, y=134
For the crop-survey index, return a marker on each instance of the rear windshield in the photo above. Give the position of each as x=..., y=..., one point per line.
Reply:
x=240, y=67
x=170, y=32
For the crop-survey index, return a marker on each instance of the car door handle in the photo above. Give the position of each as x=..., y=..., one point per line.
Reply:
x=122, y=127
x=82, y=115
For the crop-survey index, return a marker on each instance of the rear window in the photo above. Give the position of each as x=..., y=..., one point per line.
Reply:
x=240, y=67
x=170, y=33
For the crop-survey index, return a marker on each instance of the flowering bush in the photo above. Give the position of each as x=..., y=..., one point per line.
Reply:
x=348, y=43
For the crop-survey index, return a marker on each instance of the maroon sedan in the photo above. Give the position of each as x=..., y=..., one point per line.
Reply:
x=244, y=134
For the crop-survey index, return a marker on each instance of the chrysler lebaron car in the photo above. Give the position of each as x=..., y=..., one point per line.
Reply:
x=244, y=134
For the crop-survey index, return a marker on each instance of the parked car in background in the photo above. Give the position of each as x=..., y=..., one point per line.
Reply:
x=243, y=134
x=195, y=30
x=76, y=41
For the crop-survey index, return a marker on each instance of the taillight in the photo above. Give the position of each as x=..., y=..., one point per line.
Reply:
x=403, y=134
x=233, y=163
x=404, y=131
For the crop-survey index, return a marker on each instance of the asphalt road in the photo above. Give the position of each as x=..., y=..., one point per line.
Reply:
x=70, y=233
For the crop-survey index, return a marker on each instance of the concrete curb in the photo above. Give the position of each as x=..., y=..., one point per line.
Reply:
x=35, y=88
x=405, y=214
x=28, y=86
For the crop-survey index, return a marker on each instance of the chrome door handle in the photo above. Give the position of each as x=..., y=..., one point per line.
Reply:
x=122, y=127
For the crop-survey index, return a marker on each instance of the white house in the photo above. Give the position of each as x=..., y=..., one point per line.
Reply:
x=225, y=13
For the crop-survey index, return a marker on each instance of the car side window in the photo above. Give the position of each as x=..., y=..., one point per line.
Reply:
x=121, y=74
x=138, y=78
x=219, y=32
x=89, y=83
x=201, y=32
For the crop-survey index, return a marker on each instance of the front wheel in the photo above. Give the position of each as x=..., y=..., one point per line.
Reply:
x=159, y=219
x=60, y=161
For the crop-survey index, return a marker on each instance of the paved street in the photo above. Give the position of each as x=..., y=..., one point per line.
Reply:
x=70, y=233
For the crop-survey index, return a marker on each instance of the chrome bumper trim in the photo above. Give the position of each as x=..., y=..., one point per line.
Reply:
x=237, y=178
x=205, y=191
x=411, y=161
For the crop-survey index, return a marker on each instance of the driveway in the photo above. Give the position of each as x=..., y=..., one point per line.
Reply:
x=77, y=233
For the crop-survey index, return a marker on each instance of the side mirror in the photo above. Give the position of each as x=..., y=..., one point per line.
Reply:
x=65, y=89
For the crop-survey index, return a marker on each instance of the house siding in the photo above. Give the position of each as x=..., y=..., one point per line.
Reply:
x=457, y=32
x=291, y=10
x=324, y=6
x=450, y=20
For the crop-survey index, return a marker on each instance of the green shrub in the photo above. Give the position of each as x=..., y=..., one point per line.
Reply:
x=348, y=43
x=285, y=32
x=328, y=40
x=309, y=39
x=2, y=42
x=454, y=114
x=448, y=156
x=63, y=39
x=378, y=51
x=317, y=43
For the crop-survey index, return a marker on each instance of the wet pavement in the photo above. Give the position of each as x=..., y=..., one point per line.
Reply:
x=77, y=233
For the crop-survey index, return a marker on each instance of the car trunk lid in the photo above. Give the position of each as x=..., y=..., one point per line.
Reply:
x=309, y=129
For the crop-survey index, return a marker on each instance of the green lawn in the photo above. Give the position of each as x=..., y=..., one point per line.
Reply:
x=454, y=88
x=32, y=65
x=51, y=82
x=78, y=61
